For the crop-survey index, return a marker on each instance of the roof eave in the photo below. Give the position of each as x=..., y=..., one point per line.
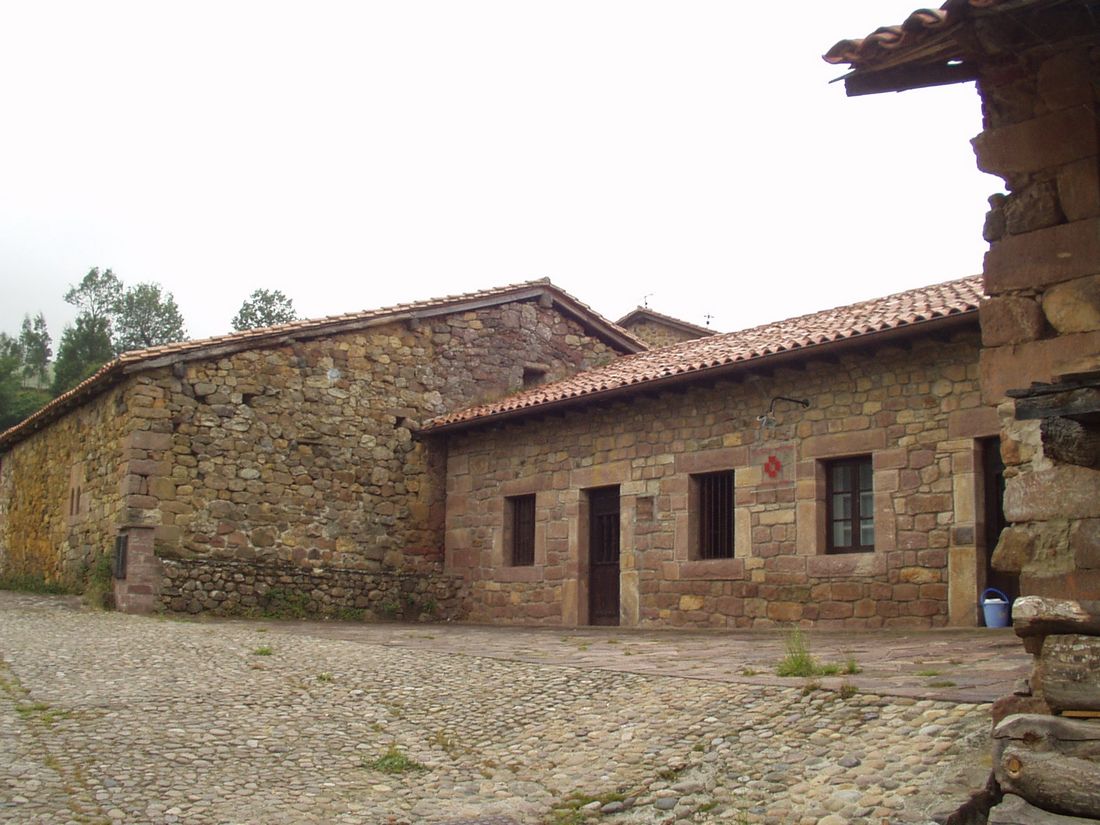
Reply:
x=944, y=322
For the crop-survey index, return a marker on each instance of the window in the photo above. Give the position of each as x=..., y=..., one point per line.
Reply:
x=519, y=530
x=851, y=502
x=712, y=509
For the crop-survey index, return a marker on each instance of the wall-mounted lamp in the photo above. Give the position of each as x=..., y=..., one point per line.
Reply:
x=767, y=420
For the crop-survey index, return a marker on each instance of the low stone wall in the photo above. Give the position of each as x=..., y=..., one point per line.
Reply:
x=230, y=587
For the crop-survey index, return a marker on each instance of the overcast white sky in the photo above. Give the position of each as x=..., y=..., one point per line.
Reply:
x=359, y=154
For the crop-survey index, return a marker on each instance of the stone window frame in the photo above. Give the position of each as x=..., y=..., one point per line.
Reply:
x=519, y=530
x=502, y=568
x=811, y=490
x=678, y=488
x=857, y=464
x=704, y=509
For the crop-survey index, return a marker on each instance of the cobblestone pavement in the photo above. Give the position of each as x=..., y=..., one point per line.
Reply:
x=106, y=718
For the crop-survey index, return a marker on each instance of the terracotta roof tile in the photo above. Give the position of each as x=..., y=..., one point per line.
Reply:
x=916, y=306
x=885, y=44
x=134, y=360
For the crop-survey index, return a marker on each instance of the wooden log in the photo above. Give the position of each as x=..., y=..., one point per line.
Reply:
x=1016, y=811
x=1050, y=761
x=1070, y=442
x=1068, y=671
x=1039, y=616
x=1040, y=732
x=1057, y=783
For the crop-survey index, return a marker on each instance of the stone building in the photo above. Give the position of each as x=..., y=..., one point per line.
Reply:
x=829, y=468
x=659, y=330
x=1037, y=66
x=280, y=460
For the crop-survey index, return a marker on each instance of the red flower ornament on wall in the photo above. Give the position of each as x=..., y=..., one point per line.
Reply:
x=773, y=466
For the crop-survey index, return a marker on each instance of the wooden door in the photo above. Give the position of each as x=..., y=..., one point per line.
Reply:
x=603, y=556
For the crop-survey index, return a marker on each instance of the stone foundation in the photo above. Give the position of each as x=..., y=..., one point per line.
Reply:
x=234, y=588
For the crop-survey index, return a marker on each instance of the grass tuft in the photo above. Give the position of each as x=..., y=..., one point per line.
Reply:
x=393, y=761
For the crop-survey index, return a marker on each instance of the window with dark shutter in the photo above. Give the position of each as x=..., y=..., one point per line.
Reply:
x=851, y=505
x=521, y=533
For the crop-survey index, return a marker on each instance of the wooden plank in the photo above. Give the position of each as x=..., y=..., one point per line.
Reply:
x=1069, y=672
x=1040, y=616
x=1014, y=810
x=1079, y=401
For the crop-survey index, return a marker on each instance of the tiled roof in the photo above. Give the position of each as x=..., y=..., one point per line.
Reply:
x=889, y=45
x=138, y=360
x=701, y=357
x=645, y=313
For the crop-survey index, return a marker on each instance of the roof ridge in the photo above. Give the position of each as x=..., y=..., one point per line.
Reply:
x=801, y=332
x=102, y=378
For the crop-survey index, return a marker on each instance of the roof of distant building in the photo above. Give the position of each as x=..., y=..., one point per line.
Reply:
x=647, y=314
x=804, y=336
x=139, y=360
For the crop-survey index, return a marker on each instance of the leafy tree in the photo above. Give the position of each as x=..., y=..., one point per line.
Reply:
x=145, y=317
x=16, y=401
x=97, y=295
x=84, y=348
x=264, y=308
x=34, y=340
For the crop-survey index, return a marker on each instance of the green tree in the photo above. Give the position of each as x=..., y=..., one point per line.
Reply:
x=97, y=295
x=264, y=308
x=35, y=342
x=16, y=401
x=144, y=316
x=84, y=348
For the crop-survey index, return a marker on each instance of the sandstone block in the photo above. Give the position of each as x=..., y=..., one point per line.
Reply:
x=1074, y=306
x=1033, y=207
x=1079, y=189
x=1059, y=493
x=1065, y=80
x=1043, y=257
x=1045, y=142
x=1011, y=320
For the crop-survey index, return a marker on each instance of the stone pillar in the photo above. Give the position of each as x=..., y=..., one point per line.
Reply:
x=1042, y=319
x=138, y=590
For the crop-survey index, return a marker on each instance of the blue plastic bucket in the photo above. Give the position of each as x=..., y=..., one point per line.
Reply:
x=998, y=611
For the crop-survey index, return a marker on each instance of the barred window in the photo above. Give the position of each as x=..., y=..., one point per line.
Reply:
x=712, y=495
x=520, y=530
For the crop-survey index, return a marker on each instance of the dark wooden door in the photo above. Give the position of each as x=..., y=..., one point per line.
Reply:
x=994, y=471
x=603, y=556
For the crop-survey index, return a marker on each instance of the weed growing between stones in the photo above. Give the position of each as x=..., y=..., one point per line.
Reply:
x=575, y=809
x=324, y=676
x=799, y=662
x=36, y=584
x=941, y=683
x=278, y=603
x=847, y=690
x=264, y=650
x=393, y=761
x=97, y=584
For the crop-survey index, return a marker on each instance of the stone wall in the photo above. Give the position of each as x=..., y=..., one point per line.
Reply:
x=288, y=591
x=658, y=334
x=61, y=492
x=1042, y=320
x=916, y=410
